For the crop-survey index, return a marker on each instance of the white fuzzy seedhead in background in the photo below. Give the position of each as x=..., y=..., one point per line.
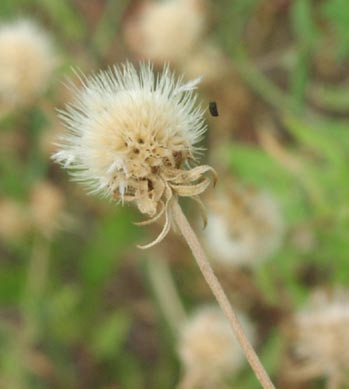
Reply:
x=27, y=60
x=208, y=348
x=166, y=30
x=320, y=338
x=246, y=227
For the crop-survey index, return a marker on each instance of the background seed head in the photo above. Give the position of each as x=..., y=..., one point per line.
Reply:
x=166, y=31
x=321, y=334
x=246, y=227
x=27, y=60
x=207, y=346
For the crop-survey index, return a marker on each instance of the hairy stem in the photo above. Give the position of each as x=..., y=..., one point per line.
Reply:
x=217, y=290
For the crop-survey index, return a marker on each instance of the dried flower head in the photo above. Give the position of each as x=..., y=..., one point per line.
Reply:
x=26, y=62
x=166, y=30
x=131, y=136
x=208, y=348
x=320, y=337
x=245, y=227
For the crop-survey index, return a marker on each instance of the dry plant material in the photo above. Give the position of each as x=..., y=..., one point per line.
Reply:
x=246, y=227
x=132, y=136
x=320, y=339
x=27, y=60
x=209, y=350
x=167, y=30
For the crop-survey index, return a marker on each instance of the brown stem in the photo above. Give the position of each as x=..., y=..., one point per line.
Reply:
x=334, y=382
x=166, y=292
x=212, y=281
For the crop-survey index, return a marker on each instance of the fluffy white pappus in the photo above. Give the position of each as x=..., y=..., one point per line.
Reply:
x=246, y=227
x=321, y=336
x=208, y=348
x=27, y=60
x=166, y=30
x=132, y=135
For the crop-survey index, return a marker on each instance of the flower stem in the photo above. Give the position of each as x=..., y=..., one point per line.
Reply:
x=333, y=382
x=166, y=293
x=217, y=290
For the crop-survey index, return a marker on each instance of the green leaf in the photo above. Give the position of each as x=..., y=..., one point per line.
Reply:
x=108, y=26
x=331, y=97
x=11, y=283
x=109, y=335
x=102, y=254
x=63, y=318
x=306, y=34
x=316, y=139
x=271, y=352
x=257, y=168
x=234, y=16
x=303, y=23
x=130, y=374
x=65, y=18
x=64, y=301
x=337, y=12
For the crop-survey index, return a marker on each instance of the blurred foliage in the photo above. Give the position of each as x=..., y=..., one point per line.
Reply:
x=85, y=315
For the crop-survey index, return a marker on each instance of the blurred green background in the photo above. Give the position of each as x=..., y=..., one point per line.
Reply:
x=78, y=307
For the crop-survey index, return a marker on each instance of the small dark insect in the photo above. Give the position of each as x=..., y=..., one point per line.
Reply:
x=213, y=108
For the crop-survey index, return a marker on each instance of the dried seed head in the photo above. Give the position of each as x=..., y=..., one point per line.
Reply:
x=208, y=348
x=245, y=227
x=132, y=136
x=320, y=336
x=167, y=30
x=26, y=62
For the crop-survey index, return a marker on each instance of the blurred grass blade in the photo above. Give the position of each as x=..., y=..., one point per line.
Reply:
x=65, y=18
